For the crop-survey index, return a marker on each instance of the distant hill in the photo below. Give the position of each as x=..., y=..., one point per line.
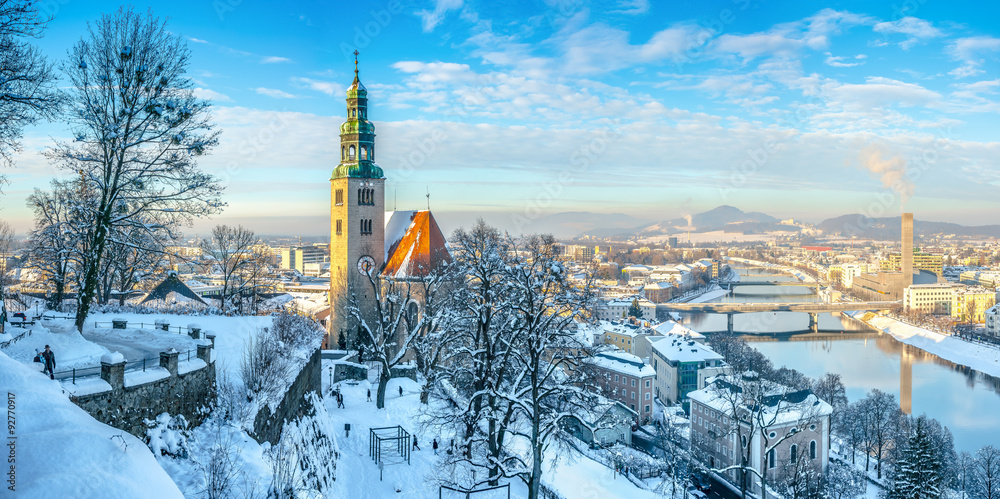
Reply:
x=571, y=224
x=727, y=218
x=890, y=228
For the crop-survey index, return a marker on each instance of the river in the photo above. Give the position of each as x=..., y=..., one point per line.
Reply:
x=966, y=401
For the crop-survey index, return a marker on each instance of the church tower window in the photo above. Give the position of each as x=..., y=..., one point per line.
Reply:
x=350, y=152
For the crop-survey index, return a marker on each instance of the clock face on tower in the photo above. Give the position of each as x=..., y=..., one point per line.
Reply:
x=365, y=265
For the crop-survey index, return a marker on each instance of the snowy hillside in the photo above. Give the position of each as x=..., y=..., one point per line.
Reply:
x=62, y=452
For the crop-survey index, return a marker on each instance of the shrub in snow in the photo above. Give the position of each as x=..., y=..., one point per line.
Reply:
x=168, y=436
x=220, y=469
x=264, y=366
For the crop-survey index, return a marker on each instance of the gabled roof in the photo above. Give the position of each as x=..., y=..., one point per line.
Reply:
x=171, y=291
x=416, y=250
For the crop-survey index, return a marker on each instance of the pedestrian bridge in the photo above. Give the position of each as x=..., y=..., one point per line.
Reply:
x=813, y=309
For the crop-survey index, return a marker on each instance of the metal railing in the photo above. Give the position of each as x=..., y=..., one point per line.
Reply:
x=130, y=366
x=143, y=325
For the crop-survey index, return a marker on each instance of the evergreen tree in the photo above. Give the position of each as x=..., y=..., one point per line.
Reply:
x=918, y=471
x=634, y=310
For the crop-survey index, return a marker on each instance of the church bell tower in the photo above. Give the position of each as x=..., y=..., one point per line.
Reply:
x=357, y=213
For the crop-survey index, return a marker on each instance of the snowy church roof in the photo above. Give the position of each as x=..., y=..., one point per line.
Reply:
x=414, y=244
x=172, y=291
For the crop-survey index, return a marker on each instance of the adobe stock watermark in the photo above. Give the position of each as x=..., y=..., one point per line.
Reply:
x=579, y=161
x=258, y=141
x=364, y=34
x=916, y=166
x=711, y=28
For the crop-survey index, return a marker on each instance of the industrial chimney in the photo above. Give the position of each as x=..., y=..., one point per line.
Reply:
x=907, y=249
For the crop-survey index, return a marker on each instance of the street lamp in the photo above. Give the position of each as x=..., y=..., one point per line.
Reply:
x=331, y=379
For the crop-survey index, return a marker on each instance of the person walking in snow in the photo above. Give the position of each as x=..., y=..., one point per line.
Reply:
x=340, y=400
x=400, y=390
x=434, y=445
x=49, y=357
x=369, y=394
x=415, y=446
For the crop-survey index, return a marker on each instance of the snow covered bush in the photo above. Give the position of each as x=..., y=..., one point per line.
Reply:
x=294, y=330
x=168, y=435
x=264, y=365
x=221, y=470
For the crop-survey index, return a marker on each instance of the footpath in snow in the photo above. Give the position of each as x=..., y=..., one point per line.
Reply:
x=982, y=358
x=571, y=475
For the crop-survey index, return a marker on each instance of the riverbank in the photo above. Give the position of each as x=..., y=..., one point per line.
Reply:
x=982, y=358
x=802, y=276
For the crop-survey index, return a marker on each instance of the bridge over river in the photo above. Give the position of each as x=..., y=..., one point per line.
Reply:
x=813, y=309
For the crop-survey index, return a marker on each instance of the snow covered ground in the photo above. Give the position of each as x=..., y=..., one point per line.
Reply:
x=982, y=358
x=62, y=452
x=571, y=475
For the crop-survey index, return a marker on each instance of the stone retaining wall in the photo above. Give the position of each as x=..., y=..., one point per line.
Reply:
x=267, y=426
x=127, y=407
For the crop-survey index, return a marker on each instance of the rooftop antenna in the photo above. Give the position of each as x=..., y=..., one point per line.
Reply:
x=428, y=198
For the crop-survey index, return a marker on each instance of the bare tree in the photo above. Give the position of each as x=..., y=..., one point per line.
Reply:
x=986, y=473
x=543, y=390
x=882, y=417
x=230, y=250
x=27, y=82
x=138, y=130
x=131, y=257
x=6, y=245
x=54, y=243
x=389, y=335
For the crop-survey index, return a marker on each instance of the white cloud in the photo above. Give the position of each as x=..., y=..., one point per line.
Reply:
x=631, y=7
x=277, y=94
x=204, y=93
x=327, y=87
x=916, y=30
x=839, y=61
x=879, y=92
x=197, y=40
x=431, y=18
x=273, y=59
x=788, y=39
x=968, y=51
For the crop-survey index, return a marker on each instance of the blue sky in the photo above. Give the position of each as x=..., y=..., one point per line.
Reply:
x=654, y=109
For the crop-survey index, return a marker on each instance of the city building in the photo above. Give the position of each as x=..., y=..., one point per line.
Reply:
x=965, y=303
x=659, y=292
x=618, y=309
x=297, y=258
x=624, y=335
x=719, y=436
x=682, y=366
x=921, y=261
x=626, y=379
x=992, y=320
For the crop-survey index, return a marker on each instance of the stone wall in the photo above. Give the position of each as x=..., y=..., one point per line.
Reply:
x=267, y=426
x=343, y=370
x=188, y=394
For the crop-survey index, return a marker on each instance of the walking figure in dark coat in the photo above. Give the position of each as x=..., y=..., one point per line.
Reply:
x=400, y=391
x=340, y=400
x=49, y=357
x=434, y=444
x=415, y=446
x=369, y=394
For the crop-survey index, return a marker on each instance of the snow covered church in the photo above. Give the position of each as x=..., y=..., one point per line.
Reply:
x=364, y=238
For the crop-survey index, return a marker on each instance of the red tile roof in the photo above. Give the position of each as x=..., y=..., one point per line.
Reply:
x=420, y=250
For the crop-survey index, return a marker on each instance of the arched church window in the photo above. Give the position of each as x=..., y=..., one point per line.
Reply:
x=412, y=313
x=343, y=153
x=364, y=152
x=350, y=152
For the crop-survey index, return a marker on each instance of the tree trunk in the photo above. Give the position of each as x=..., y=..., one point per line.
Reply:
x=383, y=380
x=90, y=277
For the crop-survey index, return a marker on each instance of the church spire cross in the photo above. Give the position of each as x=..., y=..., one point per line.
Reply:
x=356, y=63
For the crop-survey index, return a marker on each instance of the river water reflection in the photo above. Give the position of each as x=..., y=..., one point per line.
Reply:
x=964, y=400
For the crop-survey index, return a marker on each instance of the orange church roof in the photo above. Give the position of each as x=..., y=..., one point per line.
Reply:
x=418, y=250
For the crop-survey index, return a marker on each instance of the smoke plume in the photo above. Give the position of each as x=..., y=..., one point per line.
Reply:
x=890, y=171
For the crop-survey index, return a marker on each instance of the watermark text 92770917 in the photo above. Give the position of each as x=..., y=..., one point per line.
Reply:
x=11, y=443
